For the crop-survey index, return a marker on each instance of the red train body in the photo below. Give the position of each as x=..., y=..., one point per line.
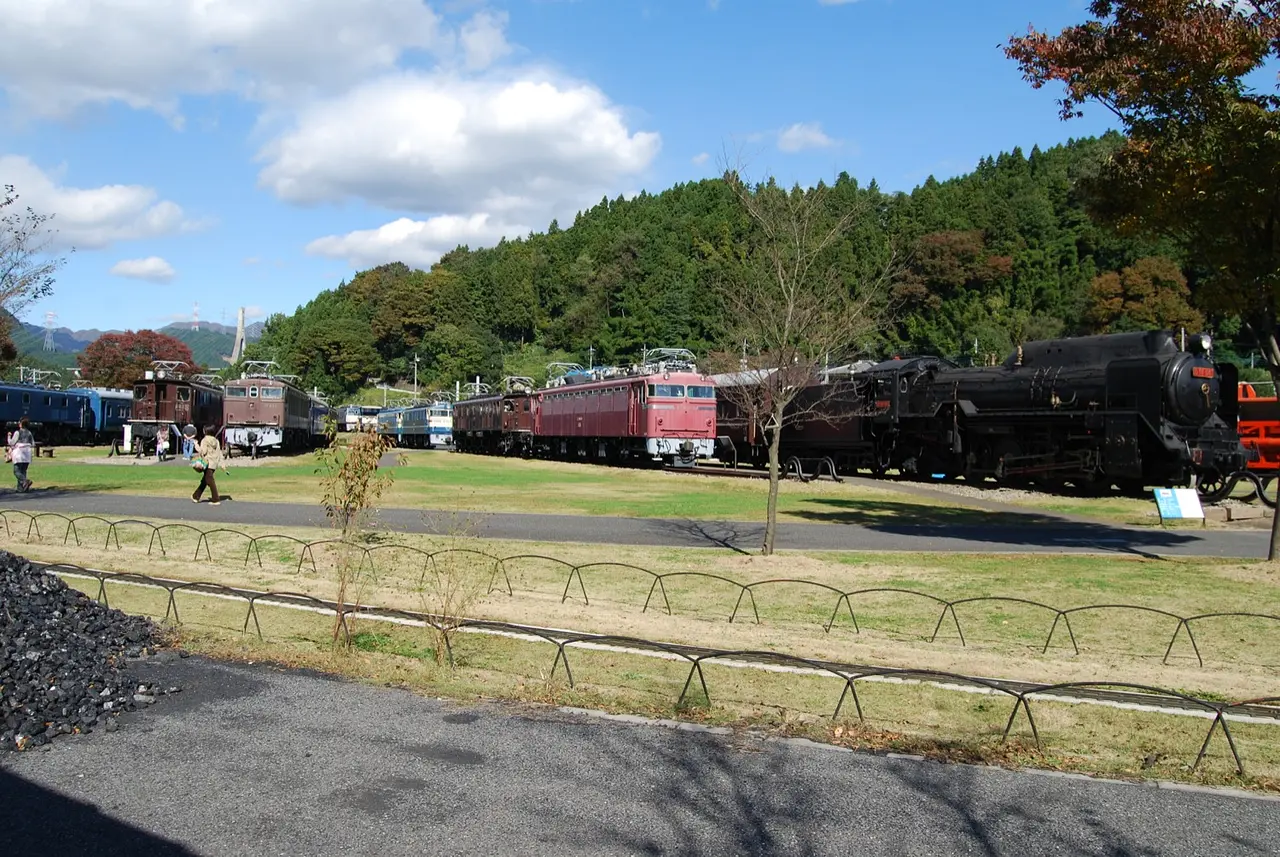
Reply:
x=663, y=413
x=1259, y=428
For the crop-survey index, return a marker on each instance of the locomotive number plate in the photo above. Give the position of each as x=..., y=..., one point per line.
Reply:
x=1201, y=372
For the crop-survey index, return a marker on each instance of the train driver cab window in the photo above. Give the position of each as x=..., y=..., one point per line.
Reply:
x=253, y=392
x=696, y=392
x=184, y=394
x=140, y=391
x=236, y=392
x=273, y=392
x=667, y=391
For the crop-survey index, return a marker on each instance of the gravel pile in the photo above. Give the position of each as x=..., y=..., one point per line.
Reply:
x=63, y=659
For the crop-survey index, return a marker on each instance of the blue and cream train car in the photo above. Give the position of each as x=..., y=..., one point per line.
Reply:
x=440, y=423
x=407, y=426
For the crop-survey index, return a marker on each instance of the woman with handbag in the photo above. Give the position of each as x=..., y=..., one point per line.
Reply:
x=206, y=462
x=21, y=442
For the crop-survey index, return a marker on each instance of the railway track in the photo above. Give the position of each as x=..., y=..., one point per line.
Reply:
x=1139, y=697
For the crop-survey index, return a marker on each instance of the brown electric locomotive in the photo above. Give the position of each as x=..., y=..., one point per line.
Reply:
x=165, y=399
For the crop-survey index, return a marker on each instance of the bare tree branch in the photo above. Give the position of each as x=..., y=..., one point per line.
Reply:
x=792, y=307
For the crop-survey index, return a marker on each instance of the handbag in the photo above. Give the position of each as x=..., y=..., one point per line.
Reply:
x=198, y=465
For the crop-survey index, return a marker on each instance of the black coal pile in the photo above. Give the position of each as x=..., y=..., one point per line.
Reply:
x=64, y=658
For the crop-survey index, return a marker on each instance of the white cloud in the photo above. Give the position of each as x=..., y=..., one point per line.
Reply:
x=481, y=157
x=803, y=135
x=152, y=268
x=700, y=158
x=96, y=217
x=254, y=311
x=415, y=242
x=77, y=52
x=440, y=144
x=483, y=40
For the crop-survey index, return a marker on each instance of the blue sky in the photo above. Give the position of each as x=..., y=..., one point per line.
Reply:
x=241, y=153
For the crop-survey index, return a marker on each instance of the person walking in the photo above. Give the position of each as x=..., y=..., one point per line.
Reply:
x=162, y=442
x=21, y=442
x=207, y=460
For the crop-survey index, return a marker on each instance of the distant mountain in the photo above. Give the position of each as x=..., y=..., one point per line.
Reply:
x=210, y=345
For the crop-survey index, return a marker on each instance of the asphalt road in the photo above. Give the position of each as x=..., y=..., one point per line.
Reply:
x=251, y=760
x=1030, y=532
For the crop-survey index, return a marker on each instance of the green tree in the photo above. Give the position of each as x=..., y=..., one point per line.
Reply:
x=1201, y=163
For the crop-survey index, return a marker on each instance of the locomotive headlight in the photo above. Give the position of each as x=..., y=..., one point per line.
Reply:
x=1201, y=344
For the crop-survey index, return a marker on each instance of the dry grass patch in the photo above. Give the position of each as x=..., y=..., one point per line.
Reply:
x=1000, y=638
x=906, y=717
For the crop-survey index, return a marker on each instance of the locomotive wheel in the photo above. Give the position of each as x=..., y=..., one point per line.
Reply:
x=1215, y=487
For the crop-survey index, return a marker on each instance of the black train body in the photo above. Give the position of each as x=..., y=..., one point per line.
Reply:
x=1129, y=409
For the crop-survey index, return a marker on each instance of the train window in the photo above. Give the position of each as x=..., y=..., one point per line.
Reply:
x=26, y=398
x=238, y=393
x=526, y=405
x=253, y=392
x=669, y=391
x=48, y=401
x=64, y=402
x=701, y=392
x=162, y=391
x=273, y=392
x=184, y=394
x=4, y=397
x=140, y=391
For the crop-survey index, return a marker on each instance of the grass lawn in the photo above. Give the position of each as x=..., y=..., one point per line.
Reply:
x=608, y=595
x=914, y=718
x=441, y=480
x=1001, y=639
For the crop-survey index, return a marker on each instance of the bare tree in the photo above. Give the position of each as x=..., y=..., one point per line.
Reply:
x=351, y=486
x=792, y=303
x=26, y=269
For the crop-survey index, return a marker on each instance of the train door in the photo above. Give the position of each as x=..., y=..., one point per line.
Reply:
x=635, y=403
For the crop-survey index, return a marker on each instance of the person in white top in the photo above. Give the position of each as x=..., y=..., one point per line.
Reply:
x=21, y=443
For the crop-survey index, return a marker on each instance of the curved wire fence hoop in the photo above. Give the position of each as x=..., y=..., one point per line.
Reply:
x=658, y=585
x=525, y=556
x=274, y=537
x=180, y=526
x=1217, y=708
x=1159, y=697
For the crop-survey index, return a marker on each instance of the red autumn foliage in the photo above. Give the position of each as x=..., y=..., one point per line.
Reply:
x=119, y=359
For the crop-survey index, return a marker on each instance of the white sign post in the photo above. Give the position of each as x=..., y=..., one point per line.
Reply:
x=1178, y=504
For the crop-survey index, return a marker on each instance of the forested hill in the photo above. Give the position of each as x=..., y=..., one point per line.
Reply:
x=1001, y=255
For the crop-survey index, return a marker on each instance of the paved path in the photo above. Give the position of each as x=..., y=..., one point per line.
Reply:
x=1028, y=532
x=248, y=760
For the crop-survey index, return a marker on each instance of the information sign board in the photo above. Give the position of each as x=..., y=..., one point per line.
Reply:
x=1178, y=503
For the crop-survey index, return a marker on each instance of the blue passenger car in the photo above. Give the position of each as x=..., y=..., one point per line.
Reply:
x=56, y=416
x=111, y=409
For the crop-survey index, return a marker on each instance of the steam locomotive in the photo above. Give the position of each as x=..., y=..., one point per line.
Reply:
x=1126, y=410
